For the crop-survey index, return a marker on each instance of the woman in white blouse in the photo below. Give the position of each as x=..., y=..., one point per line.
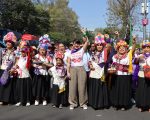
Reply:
x=143, y=88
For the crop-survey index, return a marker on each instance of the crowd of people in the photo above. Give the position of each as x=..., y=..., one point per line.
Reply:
x=101, y=74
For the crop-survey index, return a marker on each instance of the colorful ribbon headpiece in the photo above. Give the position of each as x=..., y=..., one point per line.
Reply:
x=44, y=42
x=10, y=36
x=44, y=39
x=99, y=39
x=44, y=46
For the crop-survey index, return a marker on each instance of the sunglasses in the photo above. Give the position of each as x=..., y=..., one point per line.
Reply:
x=99, y=44
x=145, y=46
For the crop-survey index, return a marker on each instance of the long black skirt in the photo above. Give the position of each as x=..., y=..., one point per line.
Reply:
x=121, y=91
x=97, y=94
x=143, y=94
x=41, y=87
x=23, y=90
x=7, y=90
x=59, y=98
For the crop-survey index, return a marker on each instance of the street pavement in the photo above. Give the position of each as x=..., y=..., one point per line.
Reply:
x=11, y=112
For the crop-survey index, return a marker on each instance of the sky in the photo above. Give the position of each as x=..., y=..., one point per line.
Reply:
x=91, y=13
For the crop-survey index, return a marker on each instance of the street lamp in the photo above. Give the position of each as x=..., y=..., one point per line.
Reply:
x=144, y=12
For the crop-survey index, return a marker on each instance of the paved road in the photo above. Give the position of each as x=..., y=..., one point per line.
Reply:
x=48, y=113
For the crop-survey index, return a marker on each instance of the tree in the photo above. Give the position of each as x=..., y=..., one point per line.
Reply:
x=64, y=26
x=39, y=17
x=40, y=23
x=21, y=15
x=108, y=30
x=64, y=20
x=121, y=13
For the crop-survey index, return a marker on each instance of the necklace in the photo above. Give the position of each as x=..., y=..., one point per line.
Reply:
x=120, y=57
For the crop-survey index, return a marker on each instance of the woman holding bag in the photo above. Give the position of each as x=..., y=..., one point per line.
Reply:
x=8, y=59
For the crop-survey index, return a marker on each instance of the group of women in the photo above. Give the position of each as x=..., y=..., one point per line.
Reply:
x=100, y=77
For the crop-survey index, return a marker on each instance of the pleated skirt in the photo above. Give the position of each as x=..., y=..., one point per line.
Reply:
x=98, y=96
x=24, y=90
x=41, y=87
x=59, y=98
x=121, y=91
x=143, y=94
x=7, y=90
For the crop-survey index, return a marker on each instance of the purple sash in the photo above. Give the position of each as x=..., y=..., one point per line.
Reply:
x=5, y=76
x=75, y=50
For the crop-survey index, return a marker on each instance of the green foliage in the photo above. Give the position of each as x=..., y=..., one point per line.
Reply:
x=120, y=13
x=108, y=30
x=22, y=16
x=57, y=37
x=64, y=20
x=39, y=17
x=138, y=45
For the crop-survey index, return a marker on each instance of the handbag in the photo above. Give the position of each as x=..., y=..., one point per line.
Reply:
x=5, y=76
x=146, y=70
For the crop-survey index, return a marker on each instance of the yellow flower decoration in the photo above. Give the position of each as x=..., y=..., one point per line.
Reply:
x=122, y=43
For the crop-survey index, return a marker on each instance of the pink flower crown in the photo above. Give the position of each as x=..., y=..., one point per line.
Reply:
x=10, y=36
x=99, y=39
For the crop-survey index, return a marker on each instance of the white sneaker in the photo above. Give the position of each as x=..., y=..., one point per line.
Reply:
x=85, y=107
x=36, y=103
x=133, y=101
x=44, y=102
x=18, y=104
x=28, y=104
x=71, y=107
x=54, y=106
x=60, y=106
x=1, y=103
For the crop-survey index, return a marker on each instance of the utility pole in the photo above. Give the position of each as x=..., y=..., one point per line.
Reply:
x=144, y=12
x=131, y=30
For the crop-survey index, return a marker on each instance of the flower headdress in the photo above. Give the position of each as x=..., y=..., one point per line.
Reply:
x=122, y=43
x=99, y=39
x=10, y=37
x=44, y=42
x=145, y=43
